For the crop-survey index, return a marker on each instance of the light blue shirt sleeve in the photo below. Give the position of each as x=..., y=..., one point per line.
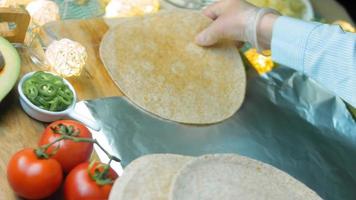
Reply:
x=323, y=52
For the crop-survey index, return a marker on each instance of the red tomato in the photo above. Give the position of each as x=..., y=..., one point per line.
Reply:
x=31, y=177
x=69, y=154
x=80, y=185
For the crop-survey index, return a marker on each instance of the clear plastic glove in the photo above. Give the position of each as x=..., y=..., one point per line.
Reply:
x=240, y=21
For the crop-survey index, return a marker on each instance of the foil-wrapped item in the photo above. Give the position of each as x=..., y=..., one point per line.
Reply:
x=287, y=120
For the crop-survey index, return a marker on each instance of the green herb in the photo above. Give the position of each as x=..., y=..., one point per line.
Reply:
x=48, y=92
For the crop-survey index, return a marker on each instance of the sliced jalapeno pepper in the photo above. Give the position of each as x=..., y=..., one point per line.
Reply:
x=42, y=76
x=65, y=92
x=30, y=91
x=54, y=104
x=41, y=101
x=48, y=92
x=57, y=81
x=47, y=89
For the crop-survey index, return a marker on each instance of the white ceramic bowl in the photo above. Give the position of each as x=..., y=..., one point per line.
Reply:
x=49, y=116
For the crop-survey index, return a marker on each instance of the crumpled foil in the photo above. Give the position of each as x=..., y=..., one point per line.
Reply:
x=287, y=120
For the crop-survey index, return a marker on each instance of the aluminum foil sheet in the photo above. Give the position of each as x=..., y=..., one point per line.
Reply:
x=287, y=120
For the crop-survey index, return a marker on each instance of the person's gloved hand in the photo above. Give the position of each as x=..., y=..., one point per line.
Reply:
x=237, y=20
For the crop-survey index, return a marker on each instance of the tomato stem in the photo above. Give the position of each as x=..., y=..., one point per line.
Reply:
x=65, y=130
x=68, y=133
x=46, y=146
x=41, y=151
x=94, y=141
x=78, y=139
x=100, y=174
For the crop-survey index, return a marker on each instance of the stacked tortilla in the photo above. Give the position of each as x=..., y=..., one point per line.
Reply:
x=218, y=176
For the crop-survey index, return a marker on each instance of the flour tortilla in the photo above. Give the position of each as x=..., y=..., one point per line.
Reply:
x=157, y=65
x=148, y=178
x=231, y=177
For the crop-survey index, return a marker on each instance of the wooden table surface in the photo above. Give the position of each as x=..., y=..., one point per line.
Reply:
x=17, y=130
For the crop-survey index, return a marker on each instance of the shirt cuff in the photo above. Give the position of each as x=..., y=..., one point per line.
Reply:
x=289, y=40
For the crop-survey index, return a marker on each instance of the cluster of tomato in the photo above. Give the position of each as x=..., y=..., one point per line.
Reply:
x=37, y=173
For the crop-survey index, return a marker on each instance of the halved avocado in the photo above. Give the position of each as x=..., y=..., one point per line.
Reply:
x=11, y=70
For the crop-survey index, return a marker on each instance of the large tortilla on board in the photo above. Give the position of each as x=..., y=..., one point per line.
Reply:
x=148, y=177
x=231, y=177
x=157, y=65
